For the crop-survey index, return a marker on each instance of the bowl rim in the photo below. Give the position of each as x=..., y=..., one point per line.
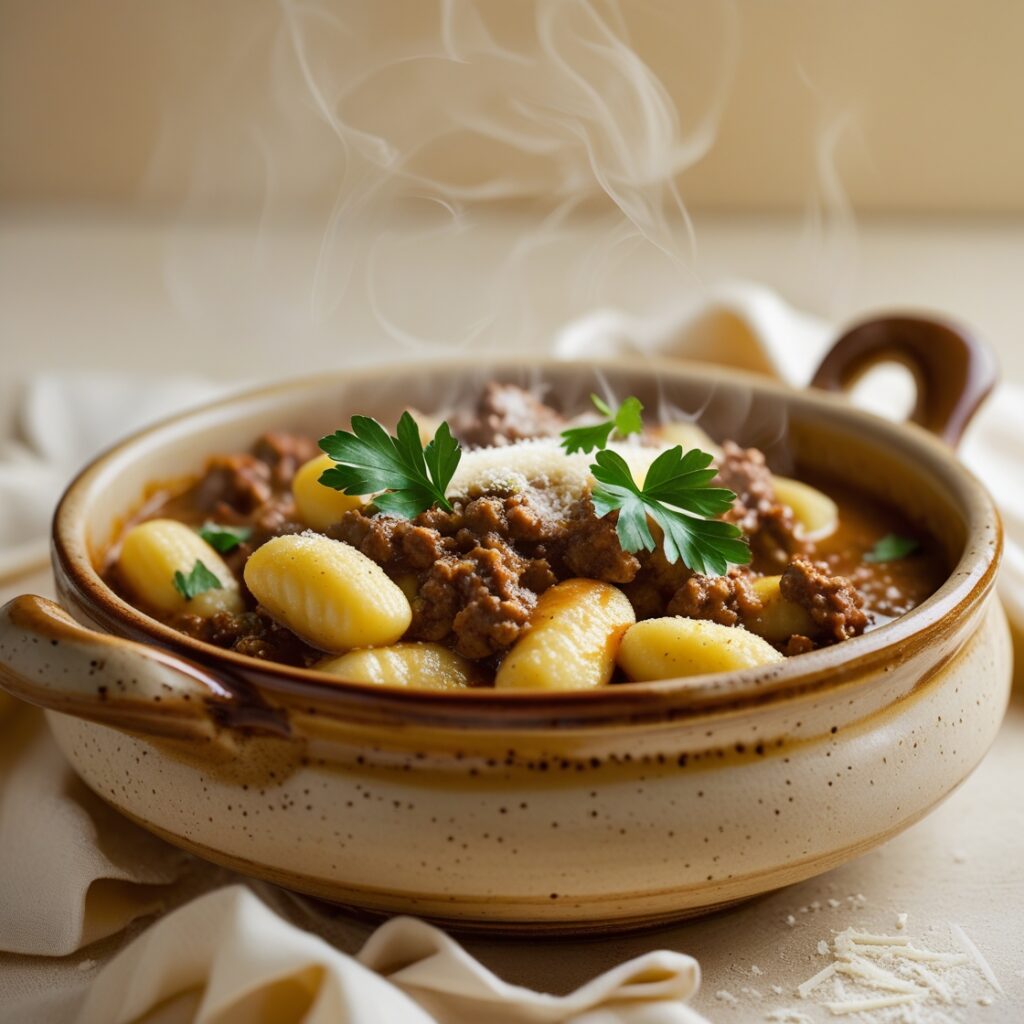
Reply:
x=968, y=583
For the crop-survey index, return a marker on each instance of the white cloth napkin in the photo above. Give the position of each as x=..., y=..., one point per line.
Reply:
x=73, y=870
x=63, y=421
x=227, y=957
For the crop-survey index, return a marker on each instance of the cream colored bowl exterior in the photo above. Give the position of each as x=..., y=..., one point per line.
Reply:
x=575, y=830
x=587, y=811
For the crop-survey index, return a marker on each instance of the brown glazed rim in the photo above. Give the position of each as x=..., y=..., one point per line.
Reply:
x=938, y=617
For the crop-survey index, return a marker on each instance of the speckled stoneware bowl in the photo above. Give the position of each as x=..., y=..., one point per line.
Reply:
x=605, y=809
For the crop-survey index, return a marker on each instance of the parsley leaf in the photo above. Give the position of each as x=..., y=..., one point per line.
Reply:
x=224, y=538
x=892, y=547
x=198, y=581
x=586, y=439
x=411, y=477
x=676, y=496
x=626, y=420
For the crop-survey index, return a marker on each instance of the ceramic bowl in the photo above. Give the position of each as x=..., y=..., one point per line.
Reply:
x=599, y=810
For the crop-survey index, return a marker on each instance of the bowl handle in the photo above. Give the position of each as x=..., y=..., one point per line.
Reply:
x=954, y=371
x=49, y=659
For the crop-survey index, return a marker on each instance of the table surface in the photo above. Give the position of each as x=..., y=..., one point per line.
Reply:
x=96, y=292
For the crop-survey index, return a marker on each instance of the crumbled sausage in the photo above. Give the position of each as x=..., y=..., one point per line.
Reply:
x=473, y=580
x=253, y=633
x=284, y=454
x=835, y=605
x=768, y=525
x=592, y=547
x=798, y=644
x=726, y=600
x=479, y=597
x=506, y=414
x=234, y=485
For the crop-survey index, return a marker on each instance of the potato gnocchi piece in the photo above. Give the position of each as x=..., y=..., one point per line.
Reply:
x=417, y=665
x=669, y=648
x=687, y=434
x=319, y=506
x=815, y=511
x=573, y=637
x=327, y=592
x=779, y=618
x=152, y=552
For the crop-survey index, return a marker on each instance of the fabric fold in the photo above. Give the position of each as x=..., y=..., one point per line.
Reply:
x=226, y=958
x=74, y=871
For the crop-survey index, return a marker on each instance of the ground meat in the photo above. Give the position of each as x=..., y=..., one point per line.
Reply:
x=798, y=644
x=252, y=633
x=284, y=454
x=834, y=603
x=275, y=517
x=233, y=486
x=592, y=547
x=506, y=414
x=726, y=600
x=769, y=526
x=236, y=488
x=478, y=597
x=477, y=569
x=655, y=584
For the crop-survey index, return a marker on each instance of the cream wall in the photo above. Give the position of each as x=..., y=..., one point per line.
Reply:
x=917, y=103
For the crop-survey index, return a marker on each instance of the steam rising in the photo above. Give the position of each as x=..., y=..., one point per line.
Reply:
x=425, y=123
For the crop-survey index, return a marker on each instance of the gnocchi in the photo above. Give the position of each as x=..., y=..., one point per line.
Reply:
x=815, y=511
x=327, y=592
x=779, y=618
x=424, y=665
x=573, y=637
x=151, y=554
x=668, y=648
x=688, y=435
x=319, y=506
x=497, y=501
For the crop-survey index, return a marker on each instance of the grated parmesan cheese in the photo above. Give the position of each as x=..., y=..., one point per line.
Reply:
x=874, y=977
x=541, y=462
x=812, y=983
x=909, y=981
x=864, y=1005
x=961, y=939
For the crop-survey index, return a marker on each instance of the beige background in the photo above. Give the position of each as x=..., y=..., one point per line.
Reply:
x=918, y=101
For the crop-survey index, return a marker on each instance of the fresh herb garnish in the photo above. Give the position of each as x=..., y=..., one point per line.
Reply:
x=411, y=477
x=676, y=496
x=198, y=581
x=891, y=548
x=625, y=420
x=224, y=538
